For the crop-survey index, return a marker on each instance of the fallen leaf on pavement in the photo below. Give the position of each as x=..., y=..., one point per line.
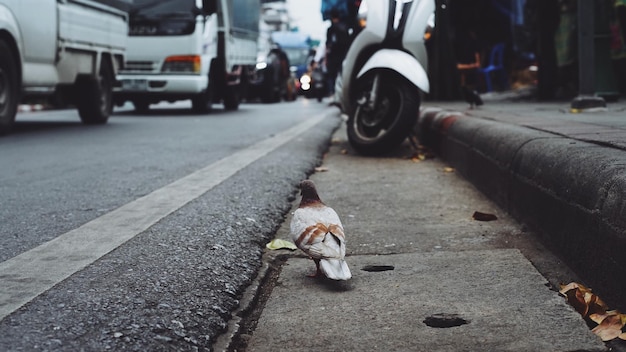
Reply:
x=576, y=299
x=277, y=243
x=571, y=286
x=610, y=327
x=321, y=169
x=422, y=156
x=596, y=305
x=448, y=169
x=594, y=310
x=484, y=216
x=584, y=301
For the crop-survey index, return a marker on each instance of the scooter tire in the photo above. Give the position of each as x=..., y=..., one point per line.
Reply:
x=398, y=108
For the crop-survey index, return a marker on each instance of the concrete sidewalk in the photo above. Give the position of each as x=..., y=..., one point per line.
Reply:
x=426, y=276
x=561, y=173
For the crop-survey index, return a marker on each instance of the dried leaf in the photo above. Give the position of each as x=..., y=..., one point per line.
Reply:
x=484, y=216
x=589, y=305
x=277, y=243
x=584, y=301
x=597, y=317
x=571, y=286
x=415, y=160
x=422, y=154
x=596, y=305
x=344, y=151
x=321, y=169
x=448, y=169
x=610, y=328
x=576, y=298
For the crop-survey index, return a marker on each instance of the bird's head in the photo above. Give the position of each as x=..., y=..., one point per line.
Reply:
x=308, y=192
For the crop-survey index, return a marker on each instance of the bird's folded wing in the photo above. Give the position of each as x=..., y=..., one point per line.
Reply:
x=319, y=242
x=330, y=246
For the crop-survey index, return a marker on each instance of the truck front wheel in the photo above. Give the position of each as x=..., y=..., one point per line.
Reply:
x=9, y=88
x=202, y=102
x=95, y=96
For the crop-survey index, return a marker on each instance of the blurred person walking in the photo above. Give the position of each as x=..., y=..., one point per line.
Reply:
x=337, y=43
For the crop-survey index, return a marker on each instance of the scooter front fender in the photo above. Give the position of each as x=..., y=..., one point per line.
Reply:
x=401, y=62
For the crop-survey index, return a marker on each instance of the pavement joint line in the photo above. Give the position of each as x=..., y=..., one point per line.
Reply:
x=29, y=274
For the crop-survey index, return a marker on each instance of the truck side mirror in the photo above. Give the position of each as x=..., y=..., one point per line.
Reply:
x=209, y=7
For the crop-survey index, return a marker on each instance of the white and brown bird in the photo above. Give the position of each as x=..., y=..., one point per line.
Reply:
x=317, y=231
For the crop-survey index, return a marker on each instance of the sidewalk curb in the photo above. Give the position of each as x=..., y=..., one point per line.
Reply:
x=571, y=192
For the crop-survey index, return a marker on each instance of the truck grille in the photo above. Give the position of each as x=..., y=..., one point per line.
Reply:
x=141, y=66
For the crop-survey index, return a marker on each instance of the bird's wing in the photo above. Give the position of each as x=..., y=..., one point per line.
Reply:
x=314, y=234
x=307, y=216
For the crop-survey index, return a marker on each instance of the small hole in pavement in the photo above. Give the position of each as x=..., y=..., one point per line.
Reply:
x=443, y=320
x=377, y=268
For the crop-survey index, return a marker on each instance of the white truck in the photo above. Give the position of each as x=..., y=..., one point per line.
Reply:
x=203, y=50
x=67, y=50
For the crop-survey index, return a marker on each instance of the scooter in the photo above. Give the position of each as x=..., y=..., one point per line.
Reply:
x=312, y=84
x=317, y=83
x=384, y=73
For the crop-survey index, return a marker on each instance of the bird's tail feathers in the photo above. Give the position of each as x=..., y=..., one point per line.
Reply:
x=335, y=269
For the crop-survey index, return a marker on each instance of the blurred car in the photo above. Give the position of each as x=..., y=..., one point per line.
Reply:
x=272, y=80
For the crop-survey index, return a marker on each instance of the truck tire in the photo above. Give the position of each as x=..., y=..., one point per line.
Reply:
x=270, y=92
x=231, y=97
x=9, y=88
x=95, y=96
x=201, y=103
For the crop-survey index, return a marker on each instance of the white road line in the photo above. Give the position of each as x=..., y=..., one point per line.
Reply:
x=24, y=277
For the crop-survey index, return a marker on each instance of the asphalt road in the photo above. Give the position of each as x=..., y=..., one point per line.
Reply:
x=167, y=272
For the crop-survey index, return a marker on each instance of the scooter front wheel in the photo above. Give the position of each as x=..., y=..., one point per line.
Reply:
x=377, y=127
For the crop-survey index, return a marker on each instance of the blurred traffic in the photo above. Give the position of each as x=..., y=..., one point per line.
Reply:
x=110, y=52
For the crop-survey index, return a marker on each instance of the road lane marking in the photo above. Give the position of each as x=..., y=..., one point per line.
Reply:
x=26, y=276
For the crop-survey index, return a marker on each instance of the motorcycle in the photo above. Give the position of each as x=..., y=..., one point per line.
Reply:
x=312, y=84
x=318, y=87
x=384, y=73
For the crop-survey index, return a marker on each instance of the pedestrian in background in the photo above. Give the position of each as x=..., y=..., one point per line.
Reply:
x=544, y=17
x=468, y=59
x=337, y=43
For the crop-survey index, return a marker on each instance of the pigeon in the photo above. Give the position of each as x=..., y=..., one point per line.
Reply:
x=472, y=97
x=316, y=229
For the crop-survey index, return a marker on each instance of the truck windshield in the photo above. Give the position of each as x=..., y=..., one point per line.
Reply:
x=162, y=17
